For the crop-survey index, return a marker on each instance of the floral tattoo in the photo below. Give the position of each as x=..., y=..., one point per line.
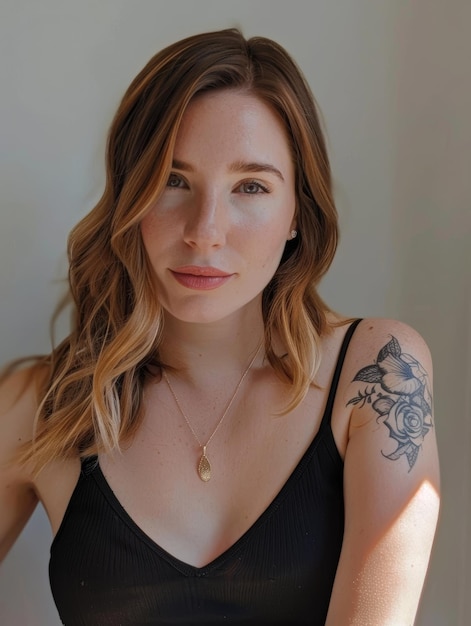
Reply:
x=406, y=406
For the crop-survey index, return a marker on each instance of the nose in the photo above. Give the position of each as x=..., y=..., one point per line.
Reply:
x=205, y=227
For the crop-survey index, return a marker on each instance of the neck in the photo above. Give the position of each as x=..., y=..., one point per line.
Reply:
x=222, y=348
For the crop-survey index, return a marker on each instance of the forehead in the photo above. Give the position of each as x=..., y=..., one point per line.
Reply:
x=229, y=122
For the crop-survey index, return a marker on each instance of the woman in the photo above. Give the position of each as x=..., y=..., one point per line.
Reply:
x=211, y=443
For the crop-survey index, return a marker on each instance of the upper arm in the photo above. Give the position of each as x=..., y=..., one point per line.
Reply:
x=391, y=478
x=18, y=498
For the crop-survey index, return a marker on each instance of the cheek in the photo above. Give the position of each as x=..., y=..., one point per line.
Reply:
x=153, y=234
x=147, y=226
x=145, y=232
x=268, y=224
x=267, y=247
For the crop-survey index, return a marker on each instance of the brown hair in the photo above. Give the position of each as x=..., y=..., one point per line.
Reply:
x=92, y=397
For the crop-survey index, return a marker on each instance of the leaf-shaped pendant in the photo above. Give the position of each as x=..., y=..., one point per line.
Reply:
x=204, y=467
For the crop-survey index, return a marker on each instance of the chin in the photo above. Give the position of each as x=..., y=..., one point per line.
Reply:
x=210, y=313
x=197, y=314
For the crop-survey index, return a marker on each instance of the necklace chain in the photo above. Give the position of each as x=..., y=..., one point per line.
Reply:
x=204, y=466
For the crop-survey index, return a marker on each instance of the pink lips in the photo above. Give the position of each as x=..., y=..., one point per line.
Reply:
x=198, y=277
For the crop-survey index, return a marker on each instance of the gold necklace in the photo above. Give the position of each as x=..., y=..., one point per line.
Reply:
x=204, y=466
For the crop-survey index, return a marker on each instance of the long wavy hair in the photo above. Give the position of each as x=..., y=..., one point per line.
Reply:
x=91, y=394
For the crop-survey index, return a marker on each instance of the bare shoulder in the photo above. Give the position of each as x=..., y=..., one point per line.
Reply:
x=374, y=334
x=18, y=405
x=18, y=497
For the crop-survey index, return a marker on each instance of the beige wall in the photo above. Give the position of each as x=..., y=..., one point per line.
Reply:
x=392, y=79
x=432, y=233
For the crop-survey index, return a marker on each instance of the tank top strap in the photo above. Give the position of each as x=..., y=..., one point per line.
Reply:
x=338, y=370
x=88, y=464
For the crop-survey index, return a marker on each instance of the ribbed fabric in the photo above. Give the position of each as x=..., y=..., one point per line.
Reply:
x=105, y=571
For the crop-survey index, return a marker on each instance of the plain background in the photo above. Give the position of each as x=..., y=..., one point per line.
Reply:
x=393, y=82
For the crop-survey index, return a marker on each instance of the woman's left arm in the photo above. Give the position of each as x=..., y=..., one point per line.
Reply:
x=391, y=479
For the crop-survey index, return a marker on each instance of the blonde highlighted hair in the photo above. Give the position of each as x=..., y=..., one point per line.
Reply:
x=91, y=398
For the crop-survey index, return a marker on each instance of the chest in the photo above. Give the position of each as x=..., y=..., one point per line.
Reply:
x=155, y=478
x=104, y=567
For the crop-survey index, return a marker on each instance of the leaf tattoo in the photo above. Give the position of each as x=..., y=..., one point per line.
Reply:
x=406, y=407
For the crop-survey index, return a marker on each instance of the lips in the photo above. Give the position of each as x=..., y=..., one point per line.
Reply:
x=199, y=270
x=200, y=277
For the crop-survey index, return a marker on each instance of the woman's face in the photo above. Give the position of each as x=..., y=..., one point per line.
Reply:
x=216, y=235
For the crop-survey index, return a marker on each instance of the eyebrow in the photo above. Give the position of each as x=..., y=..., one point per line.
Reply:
x=242, y=166
x=236, y=167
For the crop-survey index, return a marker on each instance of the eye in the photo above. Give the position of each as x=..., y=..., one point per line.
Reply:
x=252, y=187
x=176, y=181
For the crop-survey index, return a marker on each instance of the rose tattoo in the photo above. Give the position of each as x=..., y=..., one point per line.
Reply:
x=406, y=406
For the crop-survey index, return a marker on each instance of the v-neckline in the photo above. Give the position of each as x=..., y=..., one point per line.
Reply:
x=197, y=571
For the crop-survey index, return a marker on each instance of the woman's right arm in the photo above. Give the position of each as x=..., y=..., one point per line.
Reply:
x=18, y=499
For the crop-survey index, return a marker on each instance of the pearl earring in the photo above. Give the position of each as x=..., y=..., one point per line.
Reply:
x=293, y=234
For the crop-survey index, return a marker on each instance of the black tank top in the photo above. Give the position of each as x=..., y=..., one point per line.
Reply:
x=105, y=571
